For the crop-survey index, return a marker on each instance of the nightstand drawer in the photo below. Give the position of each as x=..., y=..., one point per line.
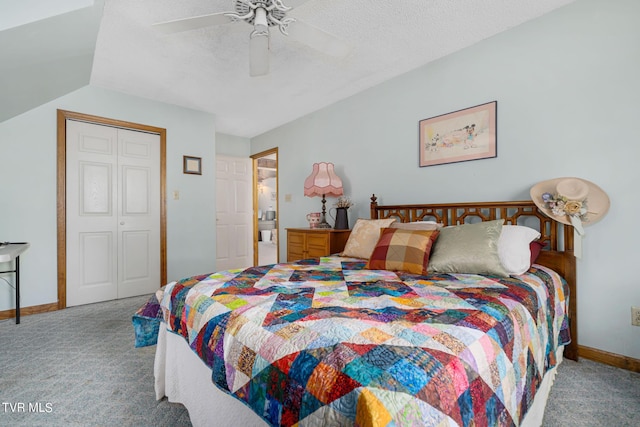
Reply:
x=314, y=242
x=318, y=245
x=295, y=238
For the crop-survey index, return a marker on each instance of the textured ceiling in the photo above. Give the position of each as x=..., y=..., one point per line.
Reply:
x=208, y=68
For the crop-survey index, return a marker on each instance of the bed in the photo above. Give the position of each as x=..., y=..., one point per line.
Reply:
x=338, y=341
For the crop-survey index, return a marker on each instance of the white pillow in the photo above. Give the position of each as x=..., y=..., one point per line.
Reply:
x=513, y=247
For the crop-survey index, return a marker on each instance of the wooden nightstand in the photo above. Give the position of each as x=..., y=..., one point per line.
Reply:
x=305, y=243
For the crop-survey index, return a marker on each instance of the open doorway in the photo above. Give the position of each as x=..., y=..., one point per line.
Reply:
x=265, y=207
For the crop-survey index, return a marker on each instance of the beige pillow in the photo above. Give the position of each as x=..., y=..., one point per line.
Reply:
x=417, y=225
x=468, y=248
x=364, y=236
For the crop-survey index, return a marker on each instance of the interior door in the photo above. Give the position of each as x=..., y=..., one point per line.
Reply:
x=112, y=206
x=138, y=213
x=234, y=232
x=265, y=205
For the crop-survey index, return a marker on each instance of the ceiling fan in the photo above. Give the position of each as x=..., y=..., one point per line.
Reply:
x=262, y=14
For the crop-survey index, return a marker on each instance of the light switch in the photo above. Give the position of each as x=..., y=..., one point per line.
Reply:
x=287, y=197
x=176, y=195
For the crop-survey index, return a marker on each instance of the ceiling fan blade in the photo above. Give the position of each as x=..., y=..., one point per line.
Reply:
x=259, y=55
x=318, y=39
x=192, y=23
x=259, y=44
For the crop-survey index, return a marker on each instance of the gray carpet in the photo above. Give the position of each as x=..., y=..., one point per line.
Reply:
x=78, y=367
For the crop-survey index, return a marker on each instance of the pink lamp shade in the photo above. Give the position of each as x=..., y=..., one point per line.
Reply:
x=323, y=181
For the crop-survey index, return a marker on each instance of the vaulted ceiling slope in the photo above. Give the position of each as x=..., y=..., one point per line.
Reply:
x=208, y=68
x=44, y=54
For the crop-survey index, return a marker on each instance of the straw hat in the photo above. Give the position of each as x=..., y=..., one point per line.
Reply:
x=571, y=201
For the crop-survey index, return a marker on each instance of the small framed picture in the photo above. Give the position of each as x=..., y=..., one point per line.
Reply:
x=468, y=134
x=192, y=165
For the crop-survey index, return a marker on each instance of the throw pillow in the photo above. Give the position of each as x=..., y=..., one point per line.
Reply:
x=468, y=248
x=536, y=246
x=403, y=250
x=364, y=236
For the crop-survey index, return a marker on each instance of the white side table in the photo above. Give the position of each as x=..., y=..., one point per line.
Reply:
x=11, y=252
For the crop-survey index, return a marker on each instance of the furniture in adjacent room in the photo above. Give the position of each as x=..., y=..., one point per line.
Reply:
x=268, y=227
x=314, y=242
x=11, y=252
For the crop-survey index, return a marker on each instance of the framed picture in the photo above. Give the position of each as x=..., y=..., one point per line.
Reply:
x=463, y=135
x=192, y=165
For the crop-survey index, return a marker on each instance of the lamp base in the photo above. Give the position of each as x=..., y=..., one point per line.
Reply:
x=323, y=219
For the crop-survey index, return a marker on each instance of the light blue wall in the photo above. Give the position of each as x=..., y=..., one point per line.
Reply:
x=568, y=91
x=233, y=146
x=28, y=190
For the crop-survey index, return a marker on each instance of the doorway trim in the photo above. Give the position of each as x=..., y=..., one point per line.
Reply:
x=254, y=158
x=63, y=116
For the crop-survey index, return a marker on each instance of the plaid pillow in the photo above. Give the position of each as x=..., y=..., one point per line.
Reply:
x=403, y=250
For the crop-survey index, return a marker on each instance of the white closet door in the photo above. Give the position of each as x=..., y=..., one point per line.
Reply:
x=139, y=213
x=92, y=213
x=113, y=213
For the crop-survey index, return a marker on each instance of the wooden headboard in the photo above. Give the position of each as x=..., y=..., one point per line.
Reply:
x=558, y=238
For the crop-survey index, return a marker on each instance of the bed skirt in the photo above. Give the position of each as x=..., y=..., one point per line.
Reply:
x=183, y=378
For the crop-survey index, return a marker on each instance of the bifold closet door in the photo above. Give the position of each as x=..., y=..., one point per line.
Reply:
x=112, y=211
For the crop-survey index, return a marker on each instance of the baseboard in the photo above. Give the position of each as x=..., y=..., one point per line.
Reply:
x=612, y=359
x=26, y=311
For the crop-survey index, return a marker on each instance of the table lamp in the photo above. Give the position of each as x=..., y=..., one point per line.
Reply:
x=323, y=181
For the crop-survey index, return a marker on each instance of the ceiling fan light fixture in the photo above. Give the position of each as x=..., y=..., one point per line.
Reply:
x=260, y=23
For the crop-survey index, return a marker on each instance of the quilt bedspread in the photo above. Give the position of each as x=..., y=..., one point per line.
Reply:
x=326, y=342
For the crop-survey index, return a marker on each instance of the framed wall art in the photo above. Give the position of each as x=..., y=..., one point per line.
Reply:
x=462, y=135
x=192, y=165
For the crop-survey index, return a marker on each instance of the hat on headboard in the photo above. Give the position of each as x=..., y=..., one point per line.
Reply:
x=571, y=201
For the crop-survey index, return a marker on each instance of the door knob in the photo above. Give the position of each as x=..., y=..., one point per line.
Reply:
x=121, y=222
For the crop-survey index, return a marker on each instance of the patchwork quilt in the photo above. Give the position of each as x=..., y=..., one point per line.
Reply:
x=326, y=342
